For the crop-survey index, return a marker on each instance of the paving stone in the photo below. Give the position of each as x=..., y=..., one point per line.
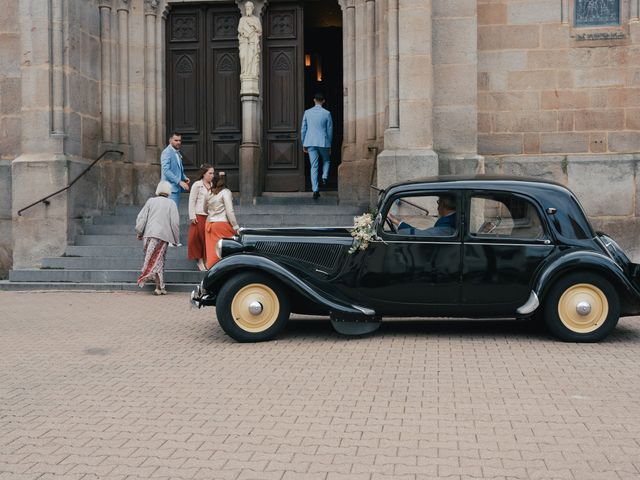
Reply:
x=116, y=386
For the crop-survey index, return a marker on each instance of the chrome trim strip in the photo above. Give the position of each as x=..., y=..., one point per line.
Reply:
x=512, y=244
x=297, y=239
x=530, y=304
x=365, y=310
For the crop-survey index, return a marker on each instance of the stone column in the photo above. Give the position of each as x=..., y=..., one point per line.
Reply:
x=350, y=59
x=250, y=151
x=394, y=109
x=370, y=19
x=123, y=71
x=408, y=149
x=105, y=68
x=455, y=97
x=635, y=11
x=150, y=72
x=42, y=230
x=57, y=67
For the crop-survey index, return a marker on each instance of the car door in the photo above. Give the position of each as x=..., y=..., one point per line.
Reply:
x=413, y=272
x=506, y=240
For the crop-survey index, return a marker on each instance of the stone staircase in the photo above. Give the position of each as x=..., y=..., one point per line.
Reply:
x=107, y=256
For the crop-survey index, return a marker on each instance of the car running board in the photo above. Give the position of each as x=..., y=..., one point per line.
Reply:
x=355, y=325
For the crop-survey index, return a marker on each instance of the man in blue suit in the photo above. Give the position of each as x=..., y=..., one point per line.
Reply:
x=172, y=169
x=317, y=135
x=445, y=226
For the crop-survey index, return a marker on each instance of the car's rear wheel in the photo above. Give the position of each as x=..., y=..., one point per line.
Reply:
x=582, y=307
x=252, y=307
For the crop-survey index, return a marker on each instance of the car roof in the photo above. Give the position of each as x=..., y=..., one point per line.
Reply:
x=502, y=182
x=548, y=193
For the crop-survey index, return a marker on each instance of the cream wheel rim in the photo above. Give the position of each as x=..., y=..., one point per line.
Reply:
x=255, y=308
x=583, y=308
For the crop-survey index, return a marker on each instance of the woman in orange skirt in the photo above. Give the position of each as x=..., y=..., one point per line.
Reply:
x=198, y=216
x=221, y=220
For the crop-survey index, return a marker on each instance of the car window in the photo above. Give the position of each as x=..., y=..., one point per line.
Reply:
x=504, y=216
x=422, y=216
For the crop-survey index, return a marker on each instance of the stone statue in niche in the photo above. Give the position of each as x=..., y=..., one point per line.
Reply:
x=249, y=34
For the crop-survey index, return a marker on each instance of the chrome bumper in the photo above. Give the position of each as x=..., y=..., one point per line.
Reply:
x=199, y=297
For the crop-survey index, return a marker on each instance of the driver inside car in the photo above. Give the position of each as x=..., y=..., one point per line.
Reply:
x=445, y=226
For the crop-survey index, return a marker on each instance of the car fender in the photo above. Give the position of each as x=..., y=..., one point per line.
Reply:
x=226, y=267
x=582, y=260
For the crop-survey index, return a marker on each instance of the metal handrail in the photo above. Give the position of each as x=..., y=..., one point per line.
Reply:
x=45, y=200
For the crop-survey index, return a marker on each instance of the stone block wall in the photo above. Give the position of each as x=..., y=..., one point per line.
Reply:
x=10, y=120
x=541, y=90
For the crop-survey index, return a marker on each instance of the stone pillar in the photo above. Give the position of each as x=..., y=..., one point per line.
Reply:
x=455, y=94
x=394, y=108
x=408, y=149
x=250, y=151
x=57, y=67
x=150, y=73
x=350, y=69
x=370, y=14
x=123, y=71
x=105, y=68
x=42, y=166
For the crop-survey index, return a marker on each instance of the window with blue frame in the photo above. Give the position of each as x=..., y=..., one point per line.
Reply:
x=595, y=13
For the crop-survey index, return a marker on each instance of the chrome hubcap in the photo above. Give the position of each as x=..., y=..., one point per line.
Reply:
x=583, y=308
x=255, y=308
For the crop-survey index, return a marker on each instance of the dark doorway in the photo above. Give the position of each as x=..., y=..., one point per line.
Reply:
x=323, y=72
x=203, y=94
x=203, y=97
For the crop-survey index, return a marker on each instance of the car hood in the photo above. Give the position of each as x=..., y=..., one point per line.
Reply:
x=297, y=232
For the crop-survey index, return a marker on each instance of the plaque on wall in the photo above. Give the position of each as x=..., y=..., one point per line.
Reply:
x=595, y=13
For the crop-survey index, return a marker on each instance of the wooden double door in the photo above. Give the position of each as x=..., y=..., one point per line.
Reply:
x=203, y=91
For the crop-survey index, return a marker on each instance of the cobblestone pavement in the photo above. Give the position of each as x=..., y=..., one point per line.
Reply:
x=132, y=386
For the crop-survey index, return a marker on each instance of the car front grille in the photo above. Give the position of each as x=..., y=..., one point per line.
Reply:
x=319, y=255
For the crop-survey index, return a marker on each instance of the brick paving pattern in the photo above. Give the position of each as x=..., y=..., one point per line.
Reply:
x=131, y=386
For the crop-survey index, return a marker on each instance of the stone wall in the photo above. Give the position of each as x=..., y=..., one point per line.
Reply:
x=544, y=91
x=10, y=120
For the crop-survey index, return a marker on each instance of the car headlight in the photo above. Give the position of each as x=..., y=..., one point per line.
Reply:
x=219, y=248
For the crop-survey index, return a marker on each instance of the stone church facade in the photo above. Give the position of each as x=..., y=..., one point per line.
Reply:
x=547, y=88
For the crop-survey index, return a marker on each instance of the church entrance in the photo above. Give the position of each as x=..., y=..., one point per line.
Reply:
x=301, y=55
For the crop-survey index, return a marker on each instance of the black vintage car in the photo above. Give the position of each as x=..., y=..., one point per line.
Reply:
x=498, y=247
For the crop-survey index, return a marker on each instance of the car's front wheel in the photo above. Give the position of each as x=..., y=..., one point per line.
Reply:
x=582, y=307
x=252, y=307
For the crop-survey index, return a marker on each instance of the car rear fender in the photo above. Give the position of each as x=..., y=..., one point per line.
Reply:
x=234, y=264
x=586, y=261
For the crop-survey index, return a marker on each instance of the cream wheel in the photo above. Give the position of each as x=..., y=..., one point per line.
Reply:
x=252, y=306
x=255, y=307
x=583, y=308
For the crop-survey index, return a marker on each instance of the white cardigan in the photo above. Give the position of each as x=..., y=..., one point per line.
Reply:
x=219, y=208
x=197, y=198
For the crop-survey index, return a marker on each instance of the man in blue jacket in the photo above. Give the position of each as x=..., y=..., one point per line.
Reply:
x=317, y=135
x=172, y=169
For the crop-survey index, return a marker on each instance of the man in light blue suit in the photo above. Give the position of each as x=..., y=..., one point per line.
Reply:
x=172, y=169
x=317, y=135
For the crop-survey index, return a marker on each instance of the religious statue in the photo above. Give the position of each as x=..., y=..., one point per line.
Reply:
x=249, y=33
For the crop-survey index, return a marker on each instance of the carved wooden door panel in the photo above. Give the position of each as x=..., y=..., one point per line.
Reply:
x=203, y=97
x=224, y=118
x=283, y=98
x=185, y=83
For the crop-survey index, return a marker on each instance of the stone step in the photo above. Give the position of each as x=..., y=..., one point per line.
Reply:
x=117, y=240
x=99, y=276
x=132, y=262
x=122, y=225
x=119, y=251
x=6, y=285
x=268, y=209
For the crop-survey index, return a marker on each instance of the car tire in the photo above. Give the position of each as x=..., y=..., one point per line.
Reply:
x=252, y=307
x=582, y=307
